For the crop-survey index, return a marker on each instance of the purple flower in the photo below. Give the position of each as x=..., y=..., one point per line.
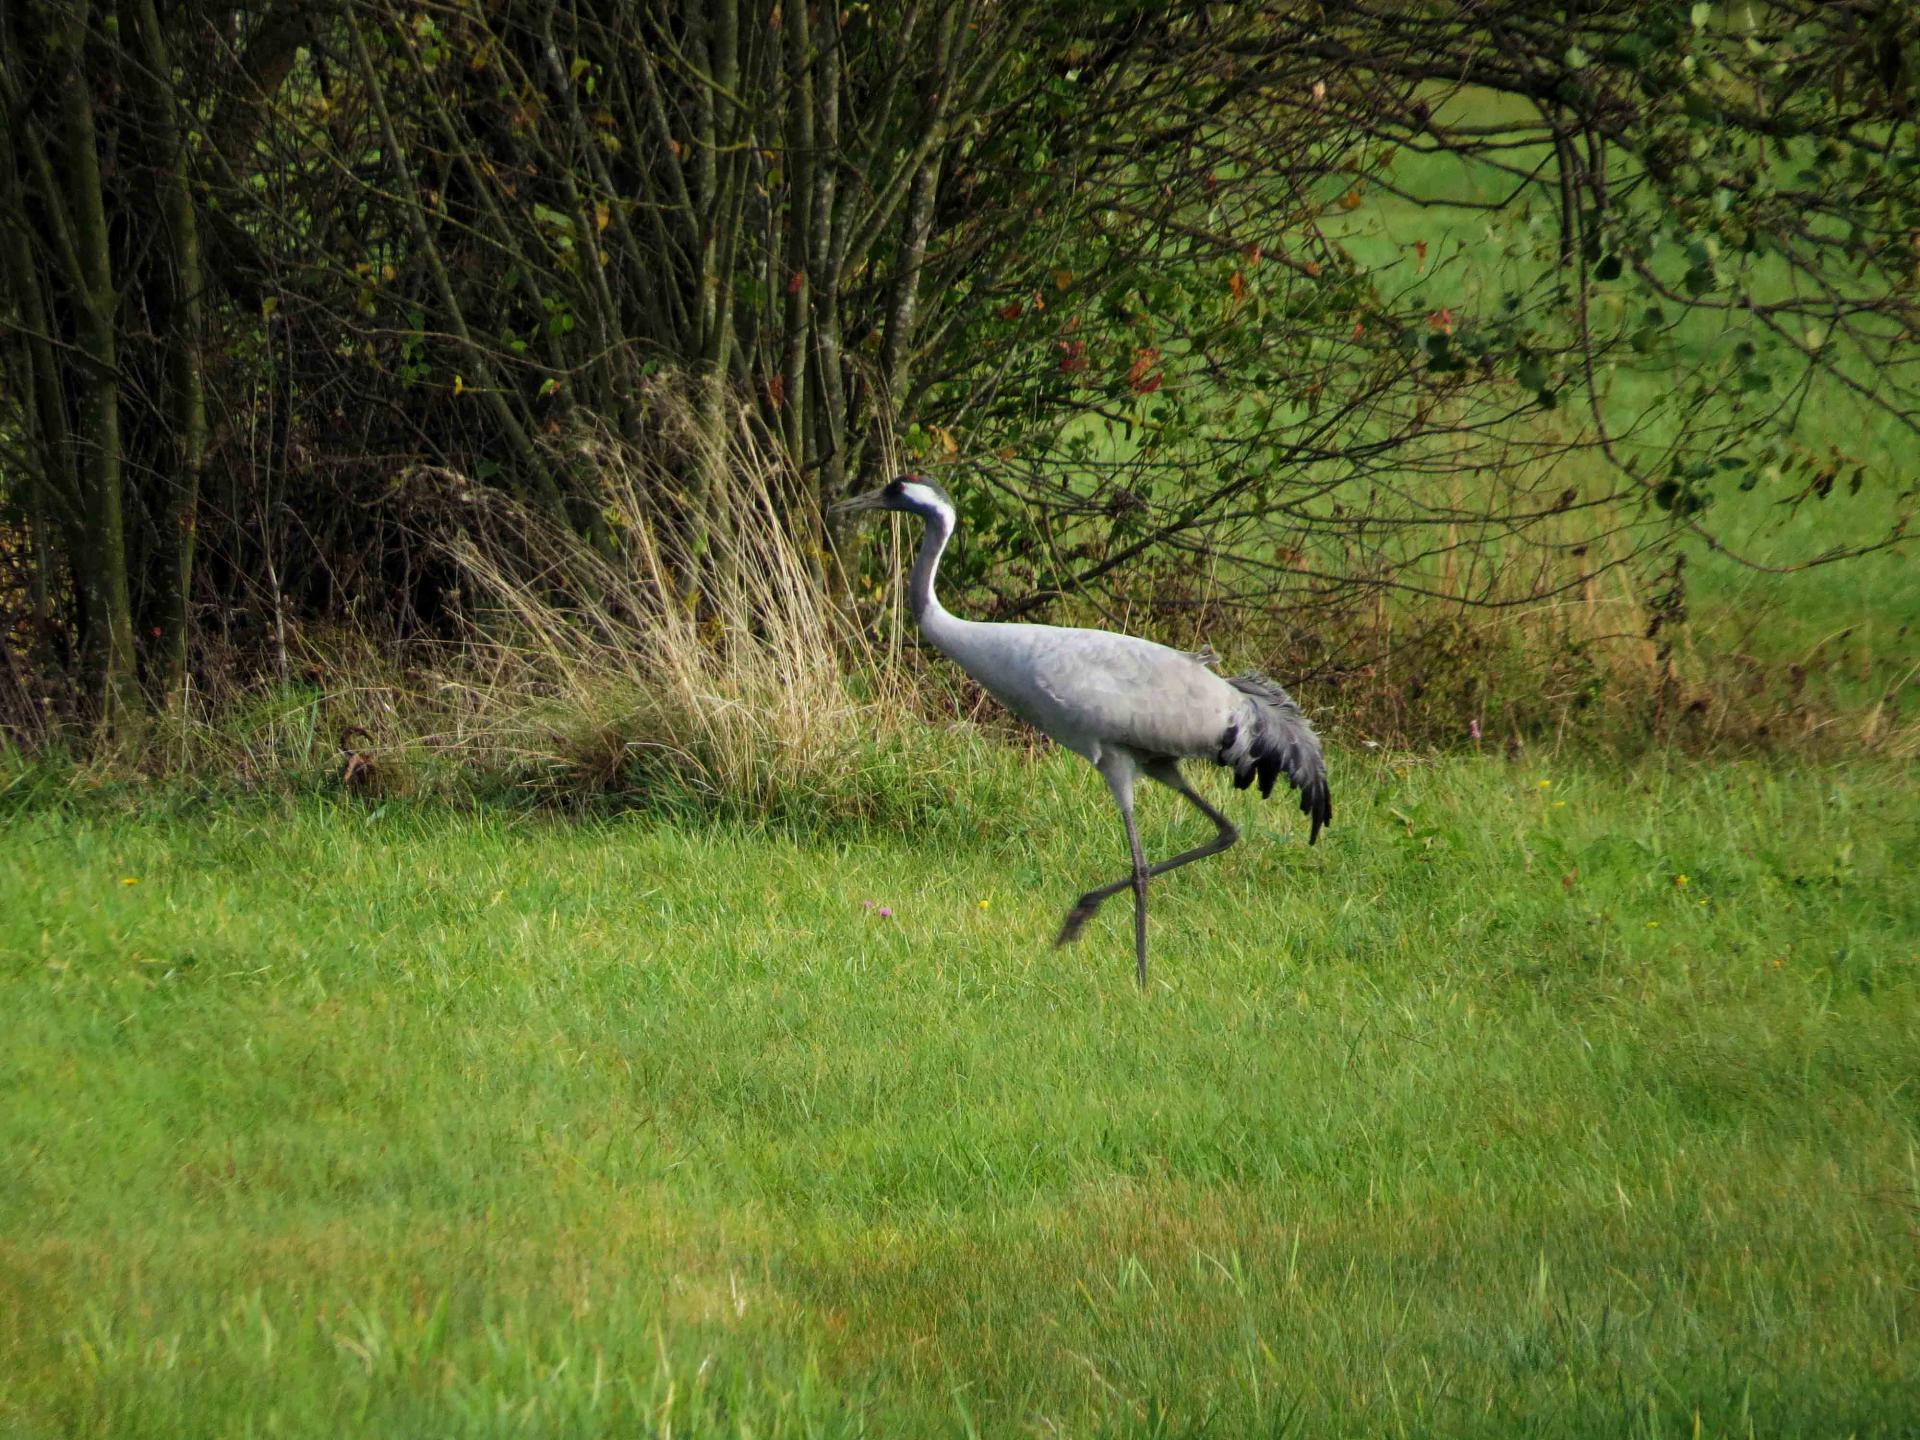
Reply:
x=886, y=913
x=1473, y=729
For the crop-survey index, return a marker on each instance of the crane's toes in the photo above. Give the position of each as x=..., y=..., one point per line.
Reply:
x=1077, y=917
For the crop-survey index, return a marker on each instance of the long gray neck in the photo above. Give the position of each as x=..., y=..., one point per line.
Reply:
x=931, y=616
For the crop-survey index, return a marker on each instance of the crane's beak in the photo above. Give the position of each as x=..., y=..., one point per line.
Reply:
x=854, y=504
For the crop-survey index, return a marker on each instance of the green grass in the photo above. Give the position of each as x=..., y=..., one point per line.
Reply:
x=1471, y=1120
x=1852, y=628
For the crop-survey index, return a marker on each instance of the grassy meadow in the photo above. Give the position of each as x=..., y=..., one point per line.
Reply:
x=1556, y=1092
x=1541, y=1097
x=1822, y=654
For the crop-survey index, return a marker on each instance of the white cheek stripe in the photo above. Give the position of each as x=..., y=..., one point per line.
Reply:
x=921, y=495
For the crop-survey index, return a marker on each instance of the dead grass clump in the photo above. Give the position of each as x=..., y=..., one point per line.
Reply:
x=685, y=641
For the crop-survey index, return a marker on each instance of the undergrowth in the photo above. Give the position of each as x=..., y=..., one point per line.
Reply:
x=694, y=659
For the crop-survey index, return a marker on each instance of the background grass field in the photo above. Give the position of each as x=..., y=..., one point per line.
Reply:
x=1853, y=630
x=1538, y=1098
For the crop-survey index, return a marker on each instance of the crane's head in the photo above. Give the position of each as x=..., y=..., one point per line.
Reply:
x=913, y=493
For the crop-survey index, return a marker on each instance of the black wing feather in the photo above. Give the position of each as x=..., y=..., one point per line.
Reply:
x=1273, y=738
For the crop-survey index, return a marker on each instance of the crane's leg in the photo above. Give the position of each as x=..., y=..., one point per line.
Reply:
x=1140, y=873
x=1167, y=772
x=1119, y=769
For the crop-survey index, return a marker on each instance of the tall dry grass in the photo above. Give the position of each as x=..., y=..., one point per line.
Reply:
x=688, y=644
x=683, y=651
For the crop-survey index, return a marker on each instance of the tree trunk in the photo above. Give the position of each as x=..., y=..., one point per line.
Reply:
x=122, y=708
x=186, y=404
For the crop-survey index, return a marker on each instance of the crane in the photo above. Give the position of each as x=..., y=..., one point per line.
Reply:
x=1128, y=706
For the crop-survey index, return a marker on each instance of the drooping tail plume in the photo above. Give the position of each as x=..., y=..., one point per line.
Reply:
x=1272, y=738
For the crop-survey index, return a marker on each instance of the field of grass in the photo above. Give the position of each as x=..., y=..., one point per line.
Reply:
x=1539, y=1098
x=1852, y=630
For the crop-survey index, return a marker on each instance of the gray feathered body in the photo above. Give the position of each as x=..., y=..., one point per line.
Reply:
x=1094, y=690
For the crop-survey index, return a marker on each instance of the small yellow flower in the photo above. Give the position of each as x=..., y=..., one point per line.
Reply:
x=129, y=880
x=985, y=903
x=1546, y=784
x=1653, y=924
x=1680, y=881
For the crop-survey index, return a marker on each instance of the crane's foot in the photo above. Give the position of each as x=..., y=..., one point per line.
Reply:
x=1085, y=910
